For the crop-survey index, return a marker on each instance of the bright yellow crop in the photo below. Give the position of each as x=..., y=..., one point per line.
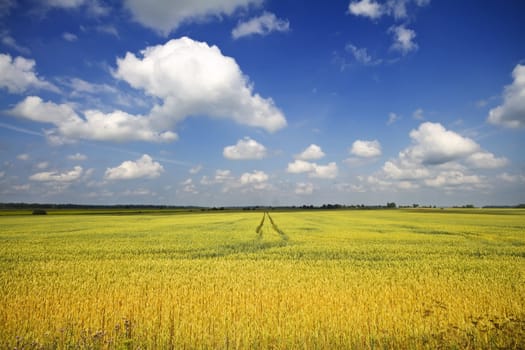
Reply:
x=298, y=279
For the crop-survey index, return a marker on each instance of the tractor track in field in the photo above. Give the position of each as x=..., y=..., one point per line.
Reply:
x=259, y=230
x=276, y=229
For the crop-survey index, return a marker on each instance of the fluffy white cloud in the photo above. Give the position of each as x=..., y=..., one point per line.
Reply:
x=310, y=153
x=403, y=39
x=374, y=10
x=144, y=167
x=440, y=158
x=119, y=126
x=255, y=177
x=453, y=178
x=221, y=176
x=54, y=176
x=304, y=188
x=192, y=78
x=366, y=8
x=486, y=160
x=404, y=170
x=33, y=108
x=328, y=171
x=512, y=112
x=245, y=149
x=165, y=16
x=433, y=144
x=366, y=149
x=300, y=166
x=17, y=75
x=189, y=78
x=262, y=25
x=115, y=126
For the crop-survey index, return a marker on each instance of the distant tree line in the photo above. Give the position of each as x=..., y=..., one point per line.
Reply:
x=30, y=206
x=388, y=205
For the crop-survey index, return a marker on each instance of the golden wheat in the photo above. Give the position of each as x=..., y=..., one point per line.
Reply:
x=309, y=279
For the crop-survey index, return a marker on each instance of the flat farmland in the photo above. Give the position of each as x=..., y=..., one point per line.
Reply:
x=342, y=279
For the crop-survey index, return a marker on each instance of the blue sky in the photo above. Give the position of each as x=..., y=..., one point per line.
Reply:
x=252, y=102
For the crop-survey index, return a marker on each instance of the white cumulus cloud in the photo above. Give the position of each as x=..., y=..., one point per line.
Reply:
x=164, y=16
x=262, y=25
x=18, y=75
x=328, y=171
x=403, y=39
x=54, y=176
x=300, y=166
x=245, y=149
x=374, y=10
x=186, y=77
x=366, y=8
x=255, y=177
x=402, y=169
x=486, y=160
x=144, y=167
x=439, y=157
x=512, y=112
x=96, y=125
x=192, y=78
x=310, y=153
x=453, y=178
x=433, y=144
x=366, y=149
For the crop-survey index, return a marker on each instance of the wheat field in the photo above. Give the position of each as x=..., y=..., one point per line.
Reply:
x=345, y=279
